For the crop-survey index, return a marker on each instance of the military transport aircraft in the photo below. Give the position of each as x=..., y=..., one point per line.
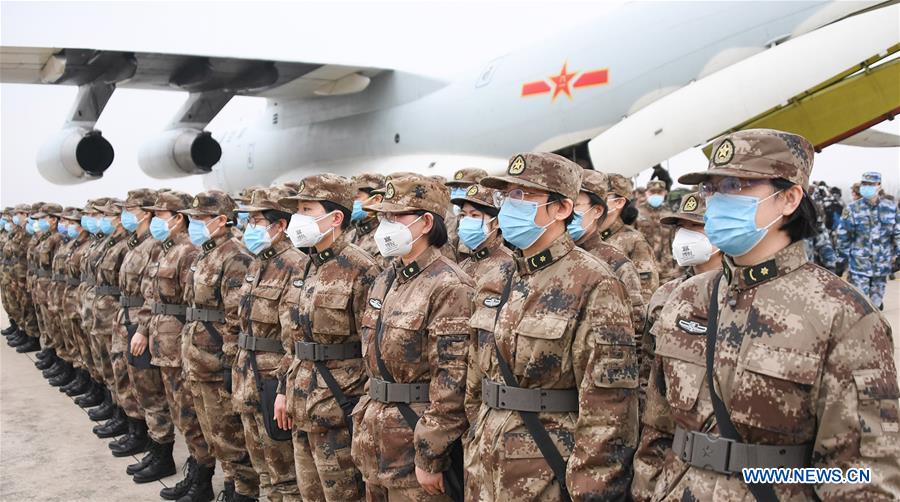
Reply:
x=622, y=93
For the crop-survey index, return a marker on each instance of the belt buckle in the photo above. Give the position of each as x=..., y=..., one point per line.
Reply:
x=711, y=453
x=319, y=352
x=490, y=393
x=378, y=389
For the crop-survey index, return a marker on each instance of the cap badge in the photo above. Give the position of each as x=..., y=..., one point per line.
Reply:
x=473, y=190
x=690, y=204
x=517, y=165
x=458, y=176
x=724, y=153
x=195, y=202
x=389, y=191
x=301, y=187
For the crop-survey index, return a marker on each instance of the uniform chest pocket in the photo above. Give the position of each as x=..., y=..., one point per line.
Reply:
x=264, y=303
x=541, y=349
x=877, y=394
x=403, y=339
x=482, y=322
x=167, y=282
x=330, y=313
x=791, y=375
x=684, y=368
x=206, y=288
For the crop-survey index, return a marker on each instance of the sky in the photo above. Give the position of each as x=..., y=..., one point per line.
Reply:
x=434, y=38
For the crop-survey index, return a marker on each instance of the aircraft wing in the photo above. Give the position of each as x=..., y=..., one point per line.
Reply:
x=872, y=138
x=191, y=73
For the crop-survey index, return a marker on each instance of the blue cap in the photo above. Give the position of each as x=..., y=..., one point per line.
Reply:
x=872, y=177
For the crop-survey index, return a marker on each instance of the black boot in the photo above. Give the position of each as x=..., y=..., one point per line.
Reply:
x=242, y=498
x=181, y=488
x=105, y=410
x=46, y=363
x=30, y=345
x=17, y=338
x=92, y=398
x=56, y=368
x=226, y=495
x=161, y=465
x=115, y=426
x=12, y=328
x=44, y=353
x=80, y=386
x=136, y=441
x=201, y=487
x=65, y=377
x=143, y=462
x=78, y=380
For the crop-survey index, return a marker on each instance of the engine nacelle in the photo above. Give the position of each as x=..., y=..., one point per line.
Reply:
x=74, y=155
x=179, y=152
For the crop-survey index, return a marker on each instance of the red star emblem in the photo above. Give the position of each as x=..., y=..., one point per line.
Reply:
x=562, y=81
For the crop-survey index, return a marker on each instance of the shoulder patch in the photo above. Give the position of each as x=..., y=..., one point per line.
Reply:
x=692, y=327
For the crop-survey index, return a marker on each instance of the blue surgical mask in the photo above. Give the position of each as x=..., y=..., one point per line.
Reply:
x=730, y=222
x=198, y=232
x=159, y=228
x=72, y=231
x=358, y=213
x=16, y=219
x=575, y=229
x=655, y=200
x=2, y=222
x=472, y=232
x=129, y=221
x=242, y=219
x=43, y=225
x=868, y=191
x=61, y=228
x=106, y=225
x=457, y=192
x=29, y=226
x=8, y=226
x=90, y=224
x=256, y=238
x=517, y=222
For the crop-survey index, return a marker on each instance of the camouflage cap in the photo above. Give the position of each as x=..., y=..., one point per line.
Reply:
x=139, y=197
x=91, y=206
x=48, y=209
x=266, y=199
x=22, y=208
x=35, y=207
x=373, y=181
x=619, y=185
x=247, y=192
x=413, y=193
x=656, y=185
x=322, y=187
x=113, y=207
x=871, y=177
x=467, y=176
x=692, y=209
x=594, y=182
x=170, y=201
x=477, y=194
x=440, y=179
x=72, y=214
x=389, y=177
x=212, y=203
x=758, y=154
x=543, y=171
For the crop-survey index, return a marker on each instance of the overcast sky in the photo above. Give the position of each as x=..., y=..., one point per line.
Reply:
x=434, y=38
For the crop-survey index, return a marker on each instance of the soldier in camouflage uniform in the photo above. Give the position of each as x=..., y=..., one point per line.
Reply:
x=48, y=241
x=30, y=341
x=869, y=239
x=262, y=350
x=65, y=347
x=364, y=223
x=210, y=339
x=559, y=400
x=6, y=229
x=462, y=180
x=803, y=365
x=14, y=251
x=241, y=217
x=322, y=318
x=415, y=342
x=54, y=302
x=615, y=231
x=659, y=236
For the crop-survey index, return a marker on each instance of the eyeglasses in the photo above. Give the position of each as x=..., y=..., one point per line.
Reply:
x=515, y=194
x=727, y=185
x=393, y=217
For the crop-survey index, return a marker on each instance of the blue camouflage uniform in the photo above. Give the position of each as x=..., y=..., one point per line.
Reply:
x=869, y=237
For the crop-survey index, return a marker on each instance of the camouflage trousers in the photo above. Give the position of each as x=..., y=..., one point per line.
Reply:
x=325, y=468
x=151, y=395
x=181, y=407
x=100, y=343
x=871, y=286
x=81, y=347
x=376, y=493
x=118, y=355
x=224, y=431
x=273, y=460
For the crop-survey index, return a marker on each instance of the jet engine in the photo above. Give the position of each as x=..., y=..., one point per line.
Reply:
x=179, y=152
x=74, y=155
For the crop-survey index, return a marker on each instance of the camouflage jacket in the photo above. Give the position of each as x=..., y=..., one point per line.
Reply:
x=566, y=325
x=14, y=250
x=72, y=269
x=333, y=298
x=268, y=279
x=623, y=268
x=425, y=337
x=801, y=358
x=363, y=235
x=170, y=276
x=143, y=252
x=659, y=237
x=215, y=283
x=46, y=248
x=635, y=246
x=107, y=274
x=58, y=267
x=89, y=261
x=869, y=236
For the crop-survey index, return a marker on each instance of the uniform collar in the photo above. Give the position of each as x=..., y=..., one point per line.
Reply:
x=319, y=258
x=557, y=249
x=406, y=273
x=367, y=225
x=274, y=250
x=590, y=241
x=487, y=249
x=45, y=236
x=617, y=224
x=783, y=262
x=112, y=241
x=216, y=241
x=137, y=239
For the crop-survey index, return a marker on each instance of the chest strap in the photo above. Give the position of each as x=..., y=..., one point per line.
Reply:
x=107, y=290
x=254, y=344
x=503, y=397
x=131, y=301
x=174, y=309
x=389, y=392
x=205, y=315
x=726, y=456
x=309, y=351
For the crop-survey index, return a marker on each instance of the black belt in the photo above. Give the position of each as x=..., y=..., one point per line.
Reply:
x=308, y=351
x=255, y=344
x=42, y=273
x=72, y=281
x=131, y=301
x=174, y=309
x=388, y=392
x=206, y=315
x=503, y=397
x=107, y=290
x=726, y=456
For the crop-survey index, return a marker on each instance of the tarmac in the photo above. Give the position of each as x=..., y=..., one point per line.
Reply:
x=48, y=452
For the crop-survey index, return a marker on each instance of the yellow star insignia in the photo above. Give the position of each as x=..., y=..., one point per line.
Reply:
x=543, y=259
x=764, y=271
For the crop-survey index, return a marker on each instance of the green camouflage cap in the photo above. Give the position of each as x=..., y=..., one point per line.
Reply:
x=620, y=185
x=656, y=185
x=467, y=176
x=48, y=209
x=139, y=197
x=413, y=193
x=172, y=200
x=692, y=209
x=212, y=203
x=543, y=171
x=373, y=181
x=758, y=154
x=266, y=199
x=477, y=194
x=322, y=187
x=594, y=182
